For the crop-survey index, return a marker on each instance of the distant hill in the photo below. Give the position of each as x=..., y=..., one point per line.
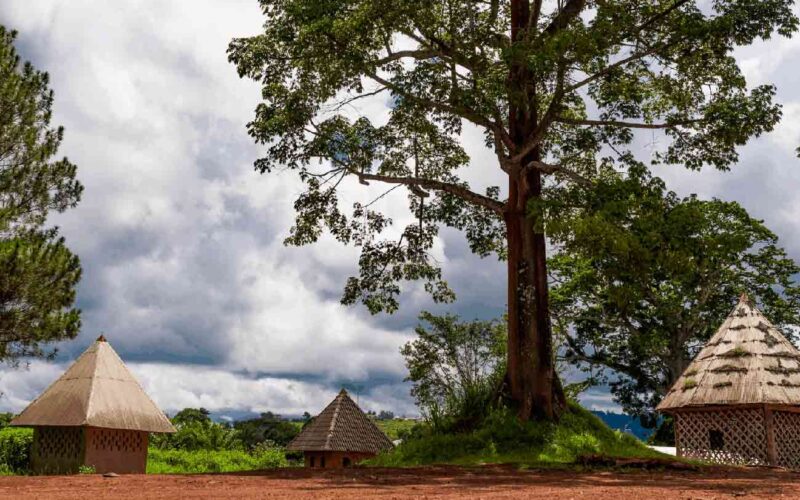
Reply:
x=625, y=423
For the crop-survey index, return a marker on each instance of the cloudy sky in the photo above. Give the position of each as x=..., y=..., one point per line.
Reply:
x=181, y=241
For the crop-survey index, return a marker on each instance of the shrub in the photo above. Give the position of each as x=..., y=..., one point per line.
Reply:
x=203, y=461
x=199, y=435
x=15, y=450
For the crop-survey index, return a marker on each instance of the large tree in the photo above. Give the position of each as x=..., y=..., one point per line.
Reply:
x=557, y=88
x=38, y=273
x=644, y=278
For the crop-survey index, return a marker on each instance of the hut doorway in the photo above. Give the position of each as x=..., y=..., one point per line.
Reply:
x=346, y=462
x=716, y=439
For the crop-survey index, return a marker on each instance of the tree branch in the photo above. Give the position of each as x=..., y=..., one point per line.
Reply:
x=467, y=114
x=615, y=123
x=569, y=12
x=454, y=189
x=548, y=168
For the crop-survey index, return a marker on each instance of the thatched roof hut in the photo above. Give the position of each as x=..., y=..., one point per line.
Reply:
x=340, y=436
x=739, y=400
x=95, y=414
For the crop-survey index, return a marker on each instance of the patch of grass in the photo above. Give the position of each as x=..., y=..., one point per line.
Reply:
x=689, y=383
x=503, y=439
x=200, y=461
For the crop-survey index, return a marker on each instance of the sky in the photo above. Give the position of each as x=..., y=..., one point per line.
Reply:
x=181, y=241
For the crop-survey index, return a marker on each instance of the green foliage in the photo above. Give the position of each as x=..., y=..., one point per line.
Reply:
x=552, y=88
x=396, y=429
x=87, y=469
x=196, y=431
x=192, y=415
x=502, y=438
x=5, y=419
x=643, y=278
x=456, y=369
x=267, y=428
x=161, y=461
x=38, y=273
x=664, y=434
x=15, y=450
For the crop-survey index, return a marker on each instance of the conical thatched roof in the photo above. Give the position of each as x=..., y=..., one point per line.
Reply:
x=97, y=391
x=341, y=426
x=748, y=361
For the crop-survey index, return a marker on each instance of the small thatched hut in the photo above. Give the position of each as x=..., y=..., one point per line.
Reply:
x=738, y=402
x=340, y=436
x=95, y=415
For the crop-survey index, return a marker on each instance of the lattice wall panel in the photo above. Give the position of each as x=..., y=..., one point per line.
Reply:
x=743, y=436
x=118, y=440
x=62, y=443
x=786, y=426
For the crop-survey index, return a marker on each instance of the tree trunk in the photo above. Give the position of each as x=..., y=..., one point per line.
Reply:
x=534, y=388
x=533, y=385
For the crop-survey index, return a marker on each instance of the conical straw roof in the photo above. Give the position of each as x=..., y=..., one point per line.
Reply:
x=341, y=426
x=97, y=391
x=748, y=361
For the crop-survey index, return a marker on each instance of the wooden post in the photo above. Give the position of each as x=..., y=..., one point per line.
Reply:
x=772, y=455
x=678, y=451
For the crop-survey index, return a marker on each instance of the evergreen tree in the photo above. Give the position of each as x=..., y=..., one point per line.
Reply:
x=38, y=273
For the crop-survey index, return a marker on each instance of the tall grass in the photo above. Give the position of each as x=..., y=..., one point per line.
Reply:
x=202, y=461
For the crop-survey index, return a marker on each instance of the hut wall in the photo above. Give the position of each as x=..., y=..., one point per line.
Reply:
x=57, y=450
x=115, y=450
x=334, y=459
x=786, y=428
x=726, y=435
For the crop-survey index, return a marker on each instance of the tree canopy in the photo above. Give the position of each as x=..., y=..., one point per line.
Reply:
x=558, y=89
x=38, y=273
x=644, y=278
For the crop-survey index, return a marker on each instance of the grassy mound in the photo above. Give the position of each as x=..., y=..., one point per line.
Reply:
x=502, y=439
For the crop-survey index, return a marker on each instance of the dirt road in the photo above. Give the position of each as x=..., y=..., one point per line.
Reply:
x=432, y=482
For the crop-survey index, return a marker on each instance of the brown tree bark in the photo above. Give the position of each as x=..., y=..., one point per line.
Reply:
x=534, y=388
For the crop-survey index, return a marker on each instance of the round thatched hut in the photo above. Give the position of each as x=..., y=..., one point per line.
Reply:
x=738, y=402
x=95, y=415
x=340, y=436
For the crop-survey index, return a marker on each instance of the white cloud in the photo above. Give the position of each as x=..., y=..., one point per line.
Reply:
x=177, y=386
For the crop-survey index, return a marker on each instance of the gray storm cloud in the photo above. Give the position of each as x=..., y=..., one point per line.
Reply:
x=181, y=241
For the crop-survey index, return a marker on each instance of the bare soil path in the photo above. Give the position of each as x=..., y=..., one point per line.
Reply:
x=429, y=482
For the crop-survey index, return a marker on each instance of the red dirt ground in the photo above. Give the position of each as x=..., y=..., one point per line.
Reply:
x=430, y=482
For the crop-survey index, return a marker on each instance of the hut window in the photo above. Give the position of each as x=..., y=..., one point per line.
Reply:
x=346, y=462
x=716, y=439
x=322, y=462
x=312, y=461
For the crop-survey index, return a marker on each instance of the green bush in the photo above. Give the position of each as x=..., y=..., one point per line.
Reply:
x=15, y=450
x=202, y=461
x=199, y=435
x=501, y=438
